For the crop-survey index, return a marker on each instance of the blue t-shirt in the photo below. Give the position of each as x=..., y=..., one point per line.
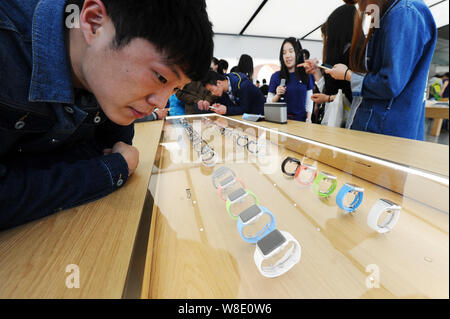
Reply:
x=295, y=96
x=176, y=106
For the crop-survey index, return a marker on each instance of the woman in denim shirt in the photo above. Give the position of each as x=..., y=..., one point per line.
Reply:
x=389, y=75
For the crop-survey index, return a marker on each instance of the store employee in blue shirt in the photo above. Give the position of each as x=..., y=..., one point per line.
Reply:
x=298, y=88
x=70, y=92
x=235, y=94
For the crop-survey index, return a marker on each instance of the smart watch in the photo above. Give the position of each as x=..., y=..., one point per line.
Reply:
x=350, y=189
x=235, y=135
x=209, y=158
x=241, y=138
x=221, y=173
x=250, y=216
x=199, y=145
x=270, y=246
x=381, y=207
x=288, y=170
x=238, y=196
x=325, y=177
x=253, y=147
x=306, y=174
x=227, y=182
x=228, y=131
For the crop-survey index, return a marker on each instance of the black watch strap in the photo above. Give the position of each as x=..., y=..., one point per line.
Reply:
x=288, y=160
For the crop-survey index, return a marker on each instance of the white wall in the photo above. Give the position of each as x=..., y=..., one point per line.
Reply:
x=262, y=50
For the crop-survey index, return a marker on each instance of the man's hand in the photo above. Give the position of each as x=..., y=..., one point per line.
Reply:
x=203, y=105
x=162, y=113
x=219, y=109
x=129, y=153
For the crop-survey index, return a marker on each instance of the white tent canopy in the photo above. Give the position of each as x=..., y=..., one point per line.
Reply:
x=284, y=18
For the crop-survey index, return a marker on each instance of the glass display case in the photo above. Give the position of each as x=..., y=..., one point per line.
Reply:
x=241, y=211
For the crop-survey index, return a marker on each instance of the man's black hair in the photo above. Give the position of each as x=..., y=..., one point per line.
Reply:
x=212, y=78
x=180, y=29
x=223, y=65
x=306, y=54
x=264, y=81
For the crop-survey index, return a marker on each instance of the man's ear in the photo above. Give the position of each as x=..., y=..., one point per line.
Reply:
x=92, y=17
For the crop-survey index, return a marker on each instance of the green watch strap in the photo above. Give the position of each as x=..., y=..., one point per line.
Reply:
x=316, y=186
x=229, y=204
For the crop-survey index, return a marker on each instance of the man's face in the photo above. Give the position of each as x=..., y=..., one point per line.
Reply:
x=216, y=90
x=130, y=82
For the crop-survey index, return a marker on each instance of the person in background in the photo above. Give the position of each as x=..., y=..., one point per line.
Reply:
x=223, y=67
x=298, y=87
x=235, y=94
x=305, y=54
x=234, y=69
x=435, y=86
x=337, y=34
x=193, y=94
x=245, y=66
x=444, y=90
x=390, y=72
x=264, y=88
x=258, y=84
x=214, y=64
x=157, y=114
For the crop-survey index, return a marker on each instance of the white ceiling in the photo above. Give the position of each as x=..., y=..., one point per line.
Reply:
x=285, y=18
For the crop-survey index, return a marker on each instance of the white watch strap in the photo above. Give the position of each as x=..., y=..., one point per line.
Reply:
x=375, y=213
x=289, y=260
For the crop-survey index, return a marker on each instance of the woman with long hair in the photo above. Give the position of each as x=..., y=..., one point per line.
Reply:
x=298, y=86
x=388, y=73
x=337, y=33
x=245, y=66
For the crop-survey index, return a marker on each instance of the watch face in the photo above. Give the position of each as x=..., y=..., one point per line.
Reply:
x=293, y=160
x=328, y=175
x=227, y=181
x=221, y=171
x=387, y=201
x=309, y=167
x=271, y=242
x=355, y=187
x=237, y=194
x=250, y=213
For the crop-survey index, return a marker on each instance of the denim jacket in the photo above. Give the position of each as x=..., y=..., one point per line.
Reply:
x=398, y=58
x=51, y=135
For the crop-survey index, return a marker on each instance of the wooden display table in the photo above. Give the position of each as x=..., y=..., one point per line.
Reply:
x=98, y=237
x=196, y=251
x=161, y=235
x=438, y=111
x=403, y=151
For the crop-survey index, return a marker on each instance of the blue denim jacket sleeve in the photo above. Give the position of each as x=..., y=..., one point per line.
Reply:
x=400, y=54
x=33, y=188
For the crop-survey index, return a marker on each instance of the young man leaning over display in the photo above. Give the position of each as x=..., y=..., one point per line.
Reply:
x=69, y=95
x=235, y=94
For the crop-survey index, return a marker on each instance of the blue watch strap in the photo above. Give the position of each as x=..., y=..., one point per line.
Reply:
x=341, y=195
x=263, y=232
